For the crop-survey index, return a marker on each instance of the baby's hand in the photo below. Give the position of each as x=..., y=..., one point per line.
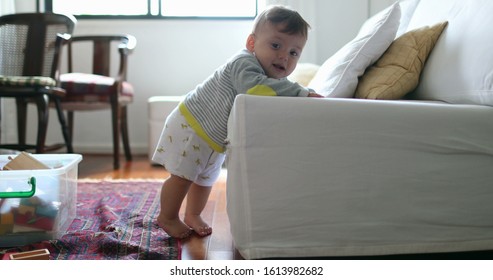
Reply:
x=314, y=94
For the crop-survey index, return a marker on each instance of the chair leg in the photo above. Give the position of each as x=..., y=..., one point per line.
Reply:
x=65, y=130
x=0, y=120
x=124, y=131
x=43, y=113
x=115, y=119
x=21, y=105
x=70, y=117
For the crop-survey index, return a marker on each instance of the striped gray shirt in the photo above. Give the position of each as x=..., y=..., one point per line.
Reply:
x=208, y=106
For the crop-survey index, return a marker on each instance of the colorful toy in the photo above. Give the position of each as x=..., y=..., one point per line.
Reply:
x=41, y=254
x=24, y=161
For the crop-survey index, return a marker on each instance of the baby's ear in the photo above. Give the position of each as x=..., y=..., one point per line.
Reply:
x=250, y=43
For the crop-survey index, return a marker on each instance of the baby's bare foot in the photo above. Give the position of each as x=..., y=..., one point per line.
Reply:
x=198, y=225
x=174, y=227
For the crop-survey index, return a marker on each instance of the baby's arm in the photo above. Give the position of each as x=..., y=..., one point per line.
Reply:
x=248, y=77
x=314, y=94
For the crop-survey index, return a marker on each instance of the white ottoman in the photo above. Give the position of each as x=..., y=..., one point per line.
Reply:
x=159, y=108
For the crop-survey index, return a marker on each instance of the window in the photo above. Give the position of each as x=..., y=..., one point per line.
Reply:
x=154, y=8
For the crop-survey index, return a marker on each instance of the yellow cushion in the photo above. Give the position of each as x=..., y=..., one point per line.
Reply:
x=304, y=73
x=397, y=71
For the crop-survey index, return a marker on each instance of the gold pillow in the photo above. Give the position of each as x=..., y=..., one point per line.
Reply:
x=398, y=70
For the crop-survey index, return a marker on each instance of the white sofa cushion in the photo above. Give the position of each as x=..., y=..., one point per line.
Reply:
x=460, y=68
x=338, y=76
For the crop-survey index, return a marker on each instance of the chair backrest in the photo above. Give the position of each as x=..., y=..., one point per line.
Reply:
x=104, y=48
x=28, y=40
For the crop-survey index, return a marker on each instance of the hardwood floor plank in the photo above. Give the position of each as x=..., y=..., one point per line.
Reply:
x=221, y=241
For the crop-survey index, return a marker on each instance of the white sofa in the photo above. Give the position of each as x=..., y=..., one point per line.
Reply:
x=158, y=108
x=356, y=177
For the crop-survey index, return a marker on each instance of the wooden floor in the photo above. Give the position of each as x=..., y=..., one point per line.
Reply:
x=218, y=246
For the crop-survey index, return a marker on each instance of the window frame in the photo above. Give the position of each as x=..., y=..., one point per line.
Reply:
x=48, y=7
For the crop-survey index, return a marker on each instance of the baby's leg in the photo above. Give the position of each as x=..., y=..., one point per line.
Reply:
x=173, y=192
x=196, y=201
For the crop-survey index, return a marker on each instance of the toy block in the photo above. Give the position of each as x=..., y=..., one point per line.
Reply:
x=24, y=161
x=6, y=223
x=42, y=254
x=26, y=210
x=23, y=229
x=45, y=223
x=32, y=201
x=7, y=219
x=7, y=228
x=48, y=210
x=35, y=222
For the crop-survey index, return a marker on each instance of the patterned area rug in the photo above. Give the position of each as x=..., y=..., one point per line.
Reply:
x=115, y=220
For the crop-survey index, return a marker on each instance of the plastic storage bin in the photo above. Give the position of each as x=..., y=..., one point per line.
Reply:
x=49, y=211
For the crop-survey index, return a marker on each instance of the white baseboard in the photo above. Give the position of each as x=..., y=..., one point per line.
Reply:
x=106, y=149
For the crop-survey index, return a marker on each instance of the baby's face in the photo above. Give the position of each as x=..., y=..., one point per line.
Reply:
x=277, y=52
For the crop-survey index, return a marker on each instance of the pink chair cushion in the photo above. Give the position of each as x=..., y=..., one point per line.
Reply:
x=82, y=87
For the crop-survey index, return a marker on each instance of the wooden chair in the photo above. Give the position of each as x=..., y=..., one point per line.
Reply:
x=30, y=48
x=100, y=89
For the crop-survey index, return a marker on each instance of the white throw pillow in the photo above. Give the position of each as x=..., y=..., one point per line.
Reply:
x=407, y=10
x=338, y=76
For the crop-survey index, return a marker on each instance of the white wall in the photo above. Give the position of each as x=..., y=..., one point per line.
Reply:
x=173, y=56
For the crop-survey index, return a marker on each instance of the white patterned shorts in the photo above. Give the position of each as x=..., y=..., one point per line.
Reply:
x=183, y=153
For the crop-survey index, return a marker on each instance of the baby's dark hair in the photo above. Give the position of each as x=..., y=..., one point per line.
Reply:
x=291, y=19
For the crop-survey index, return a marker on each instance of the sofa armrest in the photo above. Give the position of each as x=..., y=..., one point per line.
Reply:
x=350, y=135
